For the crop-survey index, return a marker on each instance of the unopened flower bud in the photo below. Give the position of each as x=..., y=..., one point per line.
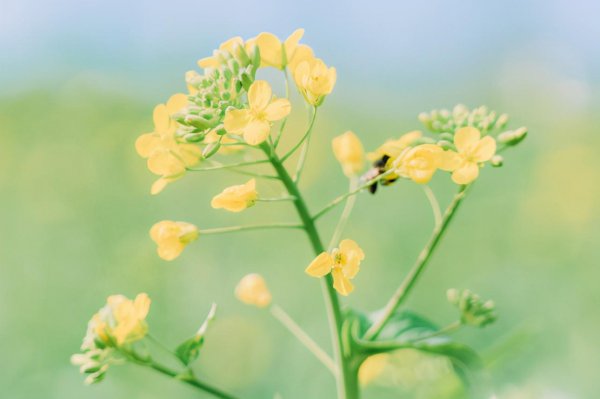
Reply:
x=349, y=152
x=473, y=310
x=253, y=290
x=497, y=161
x=513, y=137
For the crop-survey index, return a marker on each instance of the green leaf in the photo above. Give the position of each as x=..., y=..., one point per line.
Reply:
x=408, y=330
x=189, y=350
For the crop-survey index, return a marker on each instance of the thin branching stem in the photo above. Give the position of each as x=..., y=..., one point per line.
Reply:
x=341, y=225
x=228, y=166
x=303, y=139
x=284, y=121
x=435, y=205
x=409, y=281
x=303, y=337
x=232, y=229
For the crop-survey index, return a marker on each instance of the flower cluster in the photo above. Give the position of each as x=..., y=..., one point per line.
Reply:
x=466, y=140
x=118, y=324
x=473, y=310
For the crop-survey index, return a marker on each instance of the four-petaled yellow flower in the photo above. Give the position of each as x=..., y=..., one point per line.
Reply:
x=166, y=156
x=278, y=54
x=421, y=162
x=252, y=290
x=120, y=321
x=349, y=152
x=472, y=150
x=314, y=80
x=254, y=123
x=236, y=198
x=172, y=237
x=343, y=263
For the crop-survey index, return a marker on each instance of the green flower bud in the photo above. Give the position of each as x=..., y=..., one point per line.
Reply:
x=497, y=161
x=197, y=121
x=211, y=149
x=513, y=137
x=473, y=310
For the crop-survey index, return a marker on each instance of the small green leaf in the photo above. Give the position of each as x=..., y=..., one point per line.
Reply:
x=189, y=349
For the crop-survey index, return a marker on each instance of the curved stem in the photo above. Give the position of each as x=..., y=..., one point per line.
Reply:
x=233, y=165
x=342, y=197
x=284, y=121
x=231, y=229
x=339, y=229
x=346, y=382
x=435, y=205
x=409, y=281
x=303, y=337
x=303, y=139
x=186, y=377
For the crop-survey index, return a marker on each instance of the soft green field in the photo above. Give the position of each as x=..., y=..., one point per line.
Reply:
x=76, y=211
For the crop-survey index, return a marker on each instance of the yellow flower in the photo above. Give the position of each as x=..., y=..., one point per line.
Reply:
x=421, y=162
x=372, y=368
x=120, y=321
x=343, y=263
x=253, y=290
x=394, y=147
x=166, y=156
x=279, y=54
x=472, y=150
x=314, y=80
x=349, y=152
x=236, y=198
x=254, y=123
x=172, y=237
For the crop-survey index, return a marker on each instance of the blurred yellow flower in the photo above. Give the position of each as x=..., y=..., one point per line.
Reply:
x=420, y=163
x=349, y=152
x=172, y=237
x=236, y=198
x=372, y=368
x=121, y=321
x=472, y=150
x=314, y=80
x=343, y=263
x=253, y=290
x=279, y=54
x=166, y=156
x=254, y=123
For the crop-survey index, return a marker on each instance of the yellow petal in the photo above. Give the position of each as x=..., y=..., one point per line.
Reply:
x=291, y=43
x=270, y=48
x=208, y=62
x=236, y=120
x=465, y=137
x=176, y=103
x=349, y=152
x=351, y=248
x=341, y=283
x=278, y=109
x=141, y=305
x=256, y=132
x=485, y=149
x=320, y=266
x=449, y=160
x=259, y=95
x=159, y=185
x=302, y=53
x=466, y=173
x=146, y=144
x=161, y=117
x=190, y=154
x=170, y=248
x=165, y=164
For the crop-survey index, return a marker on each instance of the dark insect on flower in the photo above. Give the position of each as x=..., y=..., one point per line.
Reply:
x=379, y=167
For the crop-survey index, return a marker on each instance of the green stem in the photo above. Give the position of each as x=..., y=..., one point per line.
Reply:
x=409, y=281
x=335, y=238
x=186, y=377
x=304, y=151
x=347, y=386
x=445, y=330
x=303, y=139
x=342, y=197
x=233, y=165
x=303, y=337
x=435, y=205
x=284, y=121
x=231, y=229
x=277, y=199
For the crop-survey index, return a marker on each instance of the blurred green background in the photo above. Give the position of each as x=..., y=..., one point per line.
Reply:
x=78, y=84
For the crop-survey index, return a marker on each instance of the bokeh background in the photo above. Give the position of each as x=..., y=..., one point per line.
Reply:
x=78, y=83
